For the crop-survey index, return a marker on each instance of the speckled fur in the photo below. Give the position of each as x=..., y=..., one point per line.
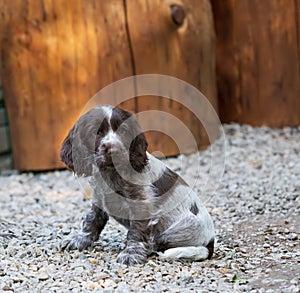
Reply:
x=157, y=207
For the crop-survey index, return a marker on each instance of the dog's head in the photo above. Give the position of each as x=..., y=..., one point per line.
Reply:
x=104, y=136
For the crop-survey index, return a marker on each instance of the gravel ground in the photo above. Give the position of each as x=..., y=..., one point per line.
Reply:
x=255, y=208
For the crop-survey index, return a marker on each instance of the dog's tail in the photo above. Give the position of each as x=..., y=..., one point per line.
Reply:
x=190, y=252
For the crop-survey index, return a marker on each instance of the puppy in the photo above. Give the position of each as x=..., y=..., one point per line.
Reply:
x=161, y=212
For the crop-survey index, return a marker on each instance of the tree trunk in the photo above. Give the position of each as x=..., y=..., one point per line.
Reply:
x=258, y=61
x=183, y=48
x=57, y=55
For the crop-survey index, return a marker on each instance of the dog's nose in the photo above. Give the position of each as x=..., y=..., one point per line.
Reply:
x=106, y=148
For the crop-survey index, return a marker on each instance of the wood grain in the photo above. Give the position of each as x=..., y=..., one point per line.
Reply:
x=57, y=54
x=185, y=51
x=55, y=57
x=258, y=61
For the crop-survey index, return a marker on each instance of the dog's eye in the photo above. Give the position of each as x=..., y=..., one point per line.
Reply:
x=103, y=128
x=122, y=130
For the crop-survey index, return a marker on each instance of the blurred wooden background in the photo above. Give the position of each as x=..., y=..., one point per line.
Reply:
x=258, y=61
x=55, y=55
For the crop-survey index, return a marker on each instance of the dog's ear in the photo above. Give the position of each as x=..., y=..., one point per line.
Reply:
x=75, y=152
x=137, y=152
x=66, y=154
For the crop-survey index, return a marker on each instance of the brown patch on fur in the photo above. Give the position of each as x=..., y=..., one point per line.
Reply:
x=194, y=209
x=166, y=182
x=210, y=247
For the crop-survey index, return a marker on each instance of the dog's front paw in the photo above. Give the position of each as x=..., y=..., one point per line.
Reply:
x=79, y=242
x=131, y=257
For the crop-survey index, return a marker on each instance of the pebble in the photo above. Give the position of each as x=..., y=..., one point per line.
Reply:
x=253, y=205
x=7, y=288
x=43, y=277
x=292, y=236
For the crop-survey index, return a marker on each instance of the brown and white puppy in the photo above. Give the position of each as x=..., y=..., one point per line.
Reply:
x=160, y=211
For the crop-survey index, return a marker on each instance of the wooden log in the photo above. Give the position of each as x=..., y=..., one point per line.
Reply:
x=55, y=57
x=174, y=38
x=258, y=61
